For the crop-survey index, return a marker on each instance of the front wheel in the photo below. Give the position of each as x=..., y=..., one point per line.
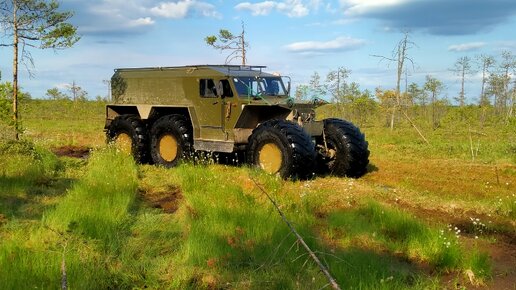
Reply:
x=281, y=147
x=342, y=150
x=171, y=140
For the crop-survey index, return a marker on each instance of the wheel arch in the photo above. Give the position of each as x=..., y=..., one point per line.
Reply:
x=252, y=115
x=149, y=113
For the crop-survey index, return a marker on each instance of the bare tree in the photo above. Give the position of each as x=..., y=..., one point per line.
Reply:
x=34, y=24
x=399, y=56
x=462, y=68
x=228, y=41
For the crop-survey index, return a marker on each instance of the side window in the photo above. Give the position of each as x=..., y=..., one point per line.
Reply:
x=207, y=88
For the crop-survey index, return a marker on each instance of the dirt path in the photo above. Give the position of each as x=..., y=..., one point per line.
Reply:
x=81, y=152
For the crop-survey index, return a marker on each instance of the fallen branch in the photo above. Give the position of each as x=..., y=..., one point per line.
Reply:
x=471, y=146
x=415, y=127
x=64, y=277
x=325, y=271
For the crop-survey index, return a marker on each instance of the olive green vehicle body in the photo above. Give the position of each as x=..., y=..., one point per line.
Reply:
x=223, y=119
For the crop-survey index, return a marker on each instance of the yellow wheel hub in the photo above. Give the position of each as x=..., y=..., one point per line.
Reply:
x=124, y=143
x=168, y=148
x=270, y=158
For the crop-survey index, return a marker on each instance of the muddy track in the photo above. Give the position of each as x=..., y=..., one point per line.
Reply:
x=81, y=152
x=470, y=223
x=168, y=200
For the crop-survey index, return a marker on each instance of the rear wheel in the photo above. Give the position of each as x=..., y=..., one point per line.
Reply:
x=281, y=147
x=171, y=140
x=129, y=134
x=343, y=150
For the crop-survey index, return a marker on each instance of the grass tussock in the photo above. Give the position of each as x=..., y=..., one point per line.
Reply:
x=379, y=227
x=85, y=229
x=98, y=205
x=27, y=173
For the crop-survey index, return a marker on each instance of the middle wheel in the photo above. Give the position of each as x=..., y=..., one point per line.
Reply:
x=281, y=147
x=170, y=140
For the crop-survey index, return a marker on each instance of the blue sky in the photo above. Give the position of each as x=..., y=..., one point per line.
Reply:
x=293, y=37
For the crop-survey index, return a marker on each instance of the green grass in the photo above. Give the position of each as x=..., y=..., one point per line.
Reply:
x=98, y=205
x=224, y=233
x=27, y=173
x=86, y=225
x=58, y=123
x=231, y=236
x=380, y=227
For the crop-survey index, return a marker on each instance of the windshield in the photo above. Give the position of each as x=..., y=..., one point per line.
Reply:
x=259, y=86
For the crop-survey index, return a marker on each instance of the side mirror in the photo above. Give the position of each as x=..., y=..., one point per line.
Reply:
x=289, y=83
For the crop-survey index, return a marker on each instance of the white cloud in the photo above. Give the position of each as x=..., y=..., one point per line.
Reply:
x=358, y=7
x=262, y=8
x=292, y=8
x=172, y=10
x=466, y=46
x=144, y=21
x=62, y=86
x=184, y=8
x=337, y=44
x=121, y=17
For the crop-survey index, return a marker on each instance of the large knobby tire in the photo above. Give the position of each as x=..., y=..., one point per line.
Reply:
x=281, y=147
x=343, y=149
x=171, y=140
x=129, y=134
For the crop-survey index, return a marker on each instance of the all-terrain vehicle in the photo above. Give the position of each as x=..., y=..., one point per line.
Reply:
x=163, y=115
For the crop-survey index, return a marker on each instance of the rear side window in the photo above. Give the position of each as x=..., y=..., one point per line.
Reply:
x=207, y=88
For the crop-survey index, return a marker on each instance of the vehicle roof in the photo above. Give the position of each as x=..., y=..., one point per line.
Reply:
x=228, y=70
